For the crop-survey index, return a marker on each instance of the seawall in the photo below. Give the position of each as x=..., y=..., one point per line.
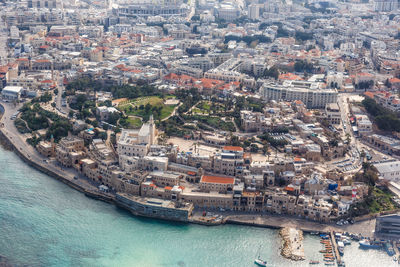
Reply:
x=239, y=220
x=6, y=142
x=37, y=166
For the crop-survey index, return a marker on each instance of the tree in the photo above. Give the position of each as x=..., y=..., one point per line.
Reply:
x=388, y=84
x=103, y=135
x=303, y=66
x=117, y=130
x=272, y=72
x=369, y=175
x=362, y=154
x=113, y=118
x=303, y=36
x=147, y=108
x=265, y=148
x=253, y=148
x=234, y=141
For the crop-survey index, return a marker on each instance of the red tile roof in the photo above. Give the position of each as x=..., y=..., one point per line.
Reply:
x=233, y=148
x=289, y=76
x=369, y=94
x=47, y=81
x=217, y=179
x=394, y=80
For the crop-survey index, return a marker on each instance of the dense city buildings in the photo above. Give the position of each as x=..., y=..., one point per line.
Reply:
x=173, y=107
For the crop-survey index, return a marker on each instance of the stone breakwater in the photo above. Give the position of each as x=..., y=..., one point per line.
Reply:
x=292, y=247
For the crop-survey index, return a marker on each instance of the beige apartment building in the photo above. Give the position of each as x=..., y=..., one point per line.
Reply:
x=69, y=151
x=210, y=183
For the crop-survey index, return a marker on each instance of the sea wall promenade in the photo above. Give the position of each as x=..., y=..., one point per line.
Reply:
x=11, y=139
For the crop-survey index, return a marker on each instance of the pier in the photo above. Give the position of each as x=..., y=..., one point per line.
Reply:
x=335, y=248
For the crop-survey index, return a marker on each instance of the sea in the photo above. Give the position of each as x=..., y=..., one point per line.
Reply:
x=43, y=222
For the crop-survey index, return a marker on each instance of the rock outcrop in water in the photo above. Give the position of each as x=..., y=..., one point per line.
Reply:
x=4, y=262
x=292, y=247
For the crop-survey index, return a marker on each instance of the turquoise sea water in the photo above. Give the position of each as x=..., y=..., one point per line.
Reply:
x=45, y=223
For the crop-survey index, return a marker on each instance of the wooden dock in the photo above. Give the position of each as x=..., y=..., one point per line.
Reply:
x=337, y=254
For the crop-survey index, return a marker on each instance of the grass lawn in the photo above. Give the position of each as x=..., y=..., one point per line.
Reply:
x=381, y=201
x=166, y=111
x=133, y=123
x=199, y=111
x=132, y=108
x=204, y=107
x=378, y=201
x=213, y=122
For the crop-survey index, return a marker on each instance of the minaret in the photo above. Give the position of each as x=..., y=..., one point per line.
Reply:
x=152, y=130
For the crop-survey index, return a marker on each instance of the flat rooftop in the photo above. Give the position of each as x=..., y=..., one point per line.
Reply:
x=155, y=202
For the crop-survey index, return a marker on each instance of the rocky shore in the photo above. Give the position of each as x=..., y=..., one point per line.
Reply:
x=292, y=247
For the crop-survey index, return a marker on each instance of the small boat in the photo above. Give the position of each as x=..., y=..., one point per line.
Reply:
x=395, y=258
x=366, y=244
x=314, y=262
x=314, y=233
x=340, y=247
x=389, y=249
x=258, y=261
x=346, y=242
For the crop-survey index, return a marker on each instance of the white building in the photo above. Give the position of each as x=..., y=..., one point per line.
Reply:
x=389, y=170
x=227, y=11
x=385, y=5
x=333, y=114
x=310, y=93
x=254, y=11
x=11, y=93
x=104, y=112
x=364, y=125
x=137, y=142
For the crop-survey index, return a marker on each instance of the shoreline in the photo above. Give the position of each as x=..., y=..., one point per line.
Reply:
x=257, y=220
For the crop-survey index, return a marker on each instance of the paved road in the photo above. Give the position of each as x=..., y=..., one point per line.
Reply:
x=24, y=148
x=59, y=106
x=365, y=228
x=354, y=152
